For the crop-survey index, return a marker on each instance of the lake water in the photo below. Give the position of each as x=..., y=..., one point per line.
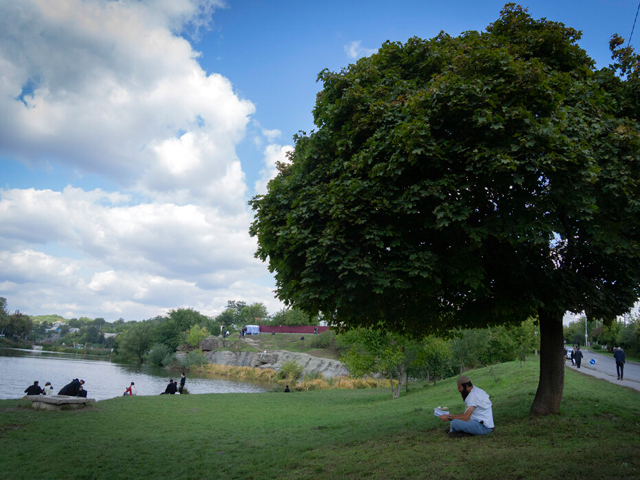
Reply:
x=103, y=379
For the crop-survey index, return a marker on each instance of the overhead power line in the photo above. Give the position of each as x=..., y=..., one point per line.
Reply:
x=634, y=25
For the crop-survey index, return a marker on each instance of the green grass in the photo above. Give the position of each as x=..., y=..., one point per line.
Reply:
x=330, y=434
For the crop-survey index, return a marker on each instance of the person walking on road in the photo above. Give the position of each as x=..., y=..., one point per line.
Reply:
x=573, y=355
x=578, y=356
x=620, y=359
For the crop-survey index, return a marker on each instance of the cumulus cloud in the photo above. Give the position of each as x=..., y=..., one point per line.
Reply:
x=355, y=50
x=114, y=89
x=272, y=154
x=108, y=88
x=147, y=257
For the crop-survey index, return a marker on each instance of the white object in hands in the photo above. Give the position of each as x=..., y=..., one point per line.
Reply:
x=440, y=411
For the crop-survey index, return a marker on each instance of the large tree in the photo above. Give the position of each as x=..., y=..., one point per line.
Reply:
x=462, y=182
x=136, y=341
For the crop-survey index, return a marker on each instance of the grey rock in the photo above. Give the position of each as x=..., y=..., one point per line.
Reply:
x=212, y=343
x=310, y=364
x=222, y=357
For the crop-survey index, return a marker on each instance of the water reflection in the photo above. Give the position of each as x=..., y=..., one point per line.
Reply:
x=103, y=379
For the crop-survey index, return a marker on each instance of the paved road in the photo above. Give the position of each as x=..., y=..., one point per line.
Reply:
x=605, y=368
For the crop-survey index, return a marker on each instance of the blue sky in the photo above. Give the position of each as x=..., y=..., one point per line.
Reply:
x=133, y=133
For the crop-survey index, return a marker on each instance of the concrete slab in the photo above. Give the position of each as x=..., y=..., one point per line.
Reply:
x=58, y=402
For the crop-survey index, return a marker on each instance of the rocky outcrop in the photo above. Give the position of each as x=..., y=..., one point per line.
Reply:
x=212, y=343
x=310, y=364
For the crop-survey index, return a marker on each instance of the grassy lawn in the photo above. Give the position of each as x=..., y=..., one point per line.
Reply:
x=330, y=435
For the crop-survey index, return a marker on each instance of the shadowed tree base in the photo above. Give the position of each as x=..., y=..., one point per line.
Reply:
x=551, y=385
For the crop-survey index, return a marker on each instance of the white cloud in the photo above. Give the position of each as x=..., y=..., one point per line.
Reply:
x=271, y=135
x=355, y=50
x=112, y=89
x=132, y=260
x=107, y=88
x=272, y=154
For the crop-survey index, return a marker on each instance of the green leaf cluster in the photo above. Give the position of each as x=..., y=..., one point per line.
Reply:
x=462, y=182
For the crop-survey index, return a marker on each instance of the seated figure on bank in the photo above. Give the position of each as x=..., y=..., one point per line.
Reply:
x=477, y=418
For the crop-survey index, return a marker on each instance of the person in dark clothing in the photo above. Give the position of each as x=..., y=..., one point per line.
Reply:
x=171, y=389
x=183, y=379
x=33, y=389
x=71, y=389
x=81, y=392
x=286, y=389
x=578, y=356
x=620, y=359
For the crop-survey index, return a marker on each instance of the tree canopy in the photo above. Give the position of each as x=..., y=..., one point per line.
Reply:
x=465, y=181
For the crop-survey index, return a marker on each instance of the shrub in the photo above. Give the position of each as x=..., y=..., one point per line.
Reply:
x=160, y=355
x=290, y=371
x=323, y=340
x=194, y=358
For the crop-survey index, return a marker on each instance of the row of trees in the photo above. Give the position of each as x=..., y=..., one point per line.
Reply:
x=134, y=339
x=14, y=325
x=623, y=333
x=399, y=357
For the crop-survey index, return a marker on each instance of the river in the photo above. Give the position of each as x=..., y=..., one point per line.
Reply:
x=103, y=379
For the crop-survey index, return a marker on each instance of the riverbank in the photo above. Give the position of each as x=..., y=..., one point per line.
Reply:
x=331, y=434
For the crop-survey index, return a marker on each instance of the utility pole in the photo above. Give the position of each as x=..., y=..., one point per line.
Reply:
x=586, y=335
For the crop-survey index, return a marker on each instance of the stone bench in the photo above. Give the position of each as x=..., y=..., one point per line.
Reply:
x=58, y=402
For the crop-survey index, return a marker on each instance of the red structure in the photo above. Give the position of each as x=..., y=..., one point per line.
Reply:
x=308, y=329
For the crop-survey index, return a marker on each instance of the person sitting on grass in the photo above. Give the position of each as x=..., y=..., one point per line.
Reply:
x=477, y=418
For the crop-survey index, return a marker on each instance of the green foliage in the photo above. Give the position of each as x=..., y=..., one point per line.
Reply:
x=380, y=351
x=332, y=434
x=253, y=313
x=290, y=371
x=196, y=335
x=240, y=314
x=465, y=182
x=326, y=339
x=194, y=358
x=160, y=355
x=185, y=318
x=629, y=336
x=168, y=332
x=15, y=324
x=135, y=342
x=433, y=359
x=293, y=317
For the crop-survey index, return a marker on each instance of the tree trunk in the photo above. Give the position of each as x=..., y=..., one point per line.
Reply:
x=551, y=383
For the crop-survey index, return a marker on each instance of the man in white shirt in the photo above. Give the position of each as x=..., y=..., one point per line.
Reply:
x=477, y=418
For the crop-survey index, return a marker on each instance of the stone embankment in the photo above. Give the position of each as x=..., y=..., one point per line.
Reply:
x=310, y=364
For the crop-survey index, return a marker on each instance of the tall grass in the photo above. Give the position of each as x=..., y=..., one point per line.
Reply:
x=344, y=383
x=244, y=373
